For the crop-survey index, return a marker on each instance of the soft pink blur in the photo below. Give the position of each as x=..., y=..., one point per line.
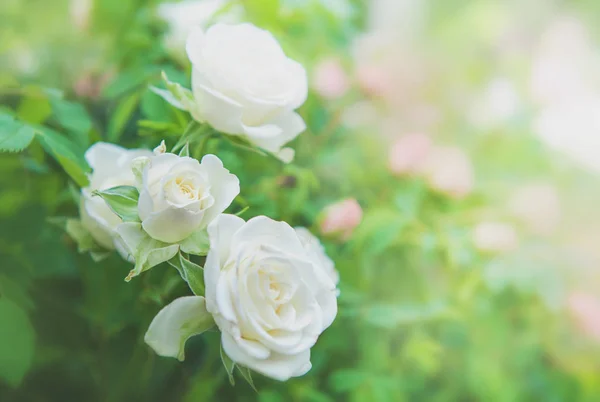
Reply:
x=374, y=80
x=449, y=171
x=495, y=237
x=408, y=154
x=90, y=85
x=341, y=218
x=330, y=79
x=537, y=205
x=585, y=308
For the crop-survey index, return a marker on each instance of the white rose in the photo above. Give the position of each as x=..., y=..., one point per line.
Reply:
x=243, y=84
x=179, y=195
x=111, y=166
x=269, y=296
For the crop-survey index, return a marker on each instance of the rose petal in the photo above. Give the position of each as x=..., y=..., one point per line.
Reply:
x=277, y=366
x=172, y=224
x=175, y=324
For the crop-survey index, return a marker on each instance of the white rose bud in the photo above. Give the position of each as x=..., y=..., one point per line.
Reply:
x=244, y=84
x=269, y=294
x=111, y=166
x=179, y=195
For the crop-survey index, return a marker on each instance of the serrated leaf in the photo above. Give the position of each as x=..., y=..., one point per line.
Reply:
x=123, y=201
x=228, y=364
x=14, y=135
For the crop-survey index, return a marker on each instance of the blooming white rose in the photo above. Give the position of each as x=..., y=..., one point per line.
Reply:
x=270, y=296
x=179, y=195
x=244, y=84
x=111, y=166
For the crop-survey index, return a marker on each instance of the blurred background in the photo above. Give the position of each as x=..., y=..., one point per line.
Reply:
x=450, y=166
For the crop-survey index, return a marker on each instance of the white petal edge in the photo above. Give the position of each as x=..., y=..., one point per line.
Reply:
x=220, y=233
x=277, y=366
x=175, y=324
x=225, y=186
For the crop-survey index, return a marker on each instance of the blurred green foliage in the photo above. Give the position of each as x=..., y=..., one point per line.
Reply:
x=422, y=314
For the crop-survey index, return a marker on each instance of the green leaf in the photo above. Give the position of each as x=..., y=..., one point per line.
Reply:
x=17, y=343
x=241, y=143
x=34, y=109
x=14, y=136
x=68, y=154
x=121, y=116
x=123, y=201
x=197, y=243
x=16, y=291
x=228, y=364
x=176, y=323
x=177, y=96
x=128, y=80
x=146, y=251
x=153, y=107
x=192, y=273
x=71, y=116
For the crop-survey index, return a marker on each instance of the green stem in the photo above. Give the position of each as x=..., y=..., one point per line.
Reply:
x=192, y=128
x=199, y=152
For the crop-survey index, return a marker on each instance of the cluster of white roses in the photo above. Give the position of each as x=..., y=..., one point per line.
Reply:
x=269, y=288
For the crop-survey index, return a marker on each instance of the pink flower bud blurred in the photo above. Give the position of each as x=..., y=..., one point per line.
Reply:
x=495, y=237
x=408, y=154
x=448, y=170
x=373, y=79
x=90, y=85
x=537, y=205
x=341, y=218
x=585, y=308
x=331, y=81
